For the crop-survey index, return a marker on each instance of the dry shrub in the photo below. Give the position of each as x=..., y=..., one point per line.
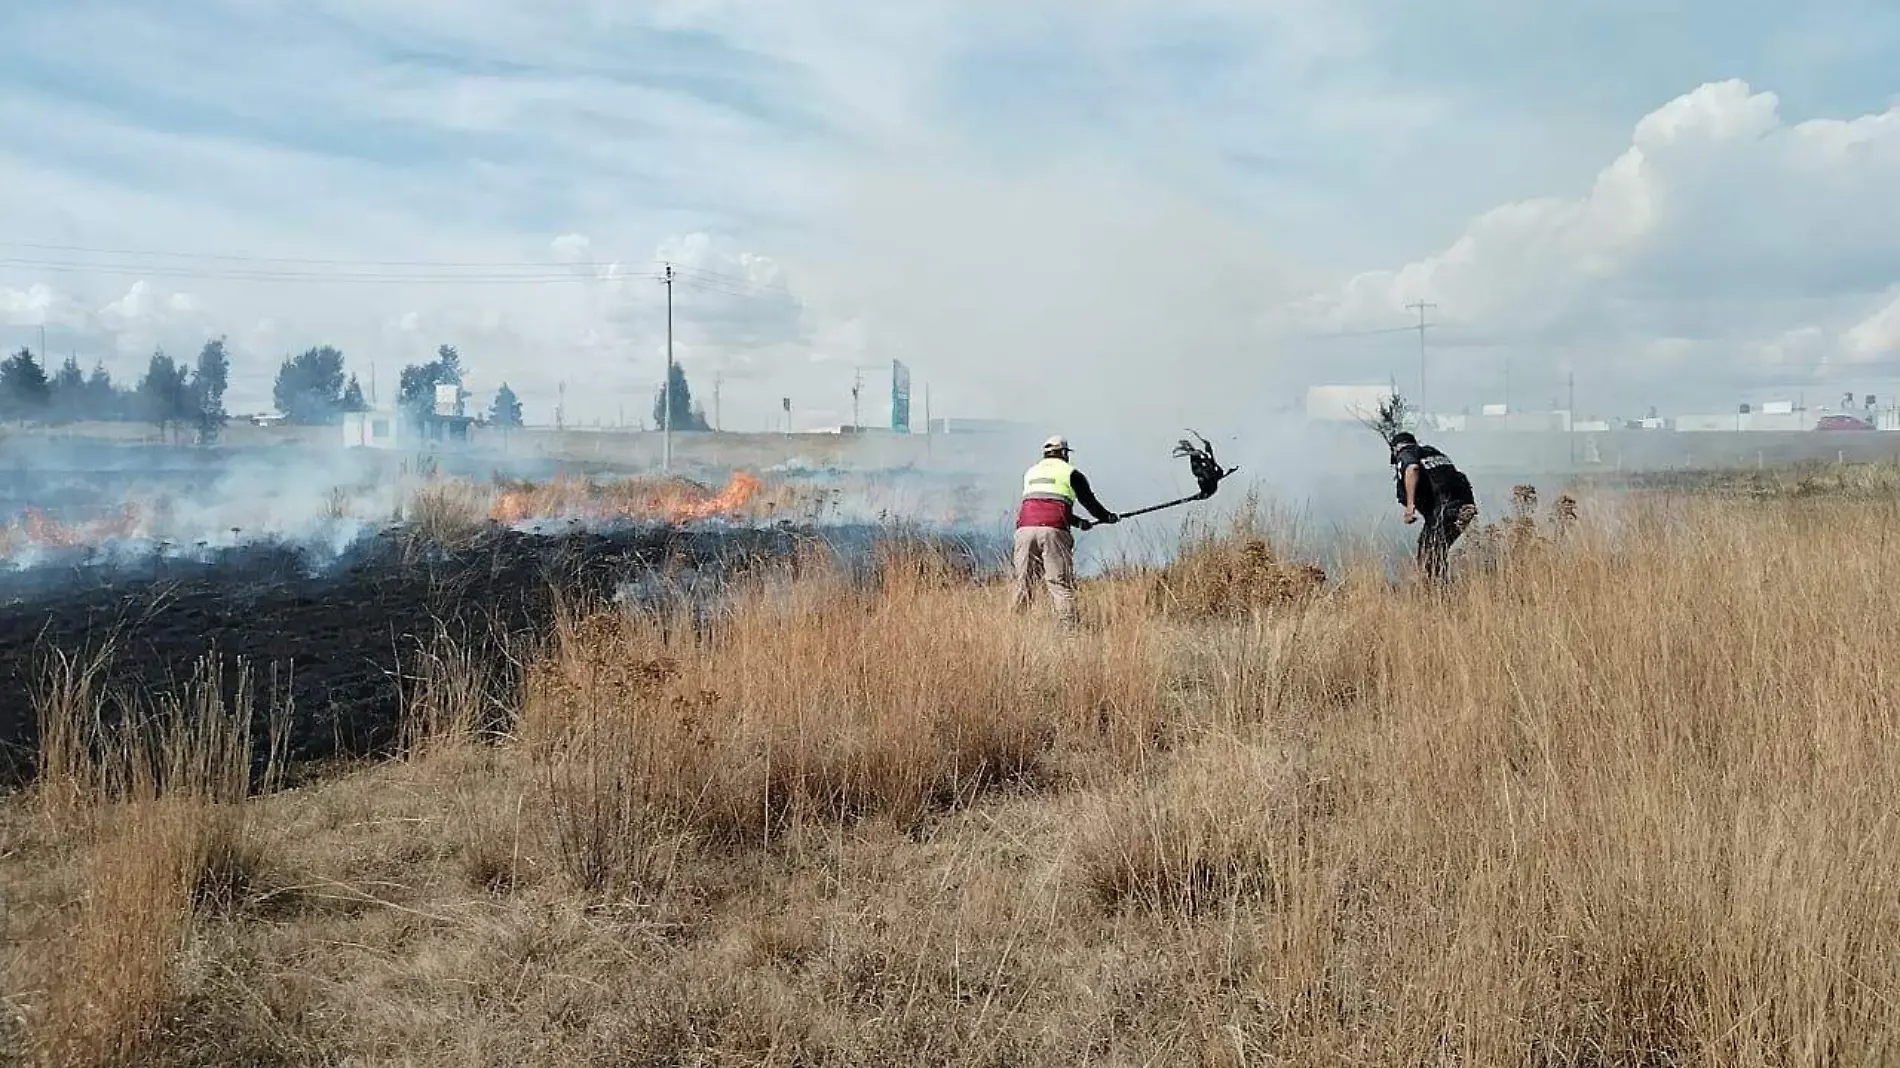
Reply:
x=163, y=799
x=447, y=515
x=492, y=823
x=450, y=705
x=1208, y=835
x=819, y=702
x=1521, y=536
x=1230, y=574
x=621, y=760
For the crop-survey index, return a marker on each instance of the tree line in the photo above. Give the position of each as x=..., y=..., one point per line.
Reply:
x=311, y=389
x=171, y=395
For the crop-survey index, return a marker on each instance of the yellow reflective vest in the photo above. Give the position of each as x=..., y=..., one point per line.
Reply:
x=1050, y=480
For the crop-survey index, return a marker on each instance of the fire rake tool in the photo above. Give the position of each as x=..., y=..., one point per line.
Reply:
x=1207, y=472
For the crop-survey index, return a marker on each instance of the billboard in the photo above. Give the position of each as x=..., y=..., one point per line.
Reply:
x=448, y=399
x=900, y=397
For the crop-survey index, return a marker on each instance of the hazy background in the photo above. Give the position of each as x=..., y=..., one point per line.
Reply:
x=1112, y=219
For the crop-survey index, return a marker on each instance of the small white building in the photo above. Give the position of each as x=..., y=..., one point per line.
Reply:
x=371, y=430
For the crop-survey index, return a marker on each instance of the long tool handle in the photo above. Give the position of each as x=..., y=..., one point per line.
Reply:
x=1165, y=504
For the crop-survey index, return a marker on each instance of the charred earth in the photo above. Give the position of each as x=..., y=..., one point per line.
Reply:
x=330, y=642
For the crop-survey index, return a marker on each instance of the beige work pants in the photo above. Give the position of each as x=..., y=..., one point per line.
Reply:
x=1048, y=554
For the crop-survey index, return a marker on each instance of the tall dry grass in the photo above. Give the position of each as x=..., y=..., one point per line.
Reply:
x=157, y=796
x=818, y=702
x=1622, y=795
x=1618, y=801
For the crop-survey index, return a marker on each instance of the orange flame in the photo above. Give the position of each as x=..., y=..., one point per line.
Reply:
x=43, y=530
x=672, y=502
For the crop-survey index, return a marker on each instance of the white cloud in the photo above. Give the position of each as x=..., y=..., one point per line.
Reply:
x=1877, y=337
x=36, y=305
x=1069, y=209
x=1750, y=240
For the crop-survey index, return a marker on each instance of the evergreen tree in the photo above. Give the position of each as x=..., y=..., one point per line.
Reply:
x=309, y=386
x=685, y=415
x=69, y=393
x=506, y=411
x=164, y=395
x=24, y=390
x=103, y=400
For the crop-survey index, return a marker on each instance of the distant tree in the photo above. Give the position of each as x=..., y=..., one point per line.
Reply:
x=208, y=382
x=1393, y=414
x=24, y=391
x=685, y=415
x=506, y=411
x=353, y=397
x=415, y=386
x=102, y=399
x=164, y=396
x=309, y=387
x=69, y=393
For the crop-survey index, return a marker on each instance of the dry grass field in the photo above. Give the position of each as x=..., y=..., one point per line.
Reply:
x=1628, y=793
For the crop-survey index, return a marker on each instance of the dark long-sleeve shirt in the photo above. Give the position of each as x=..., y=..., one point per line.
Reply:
x=1085, y=497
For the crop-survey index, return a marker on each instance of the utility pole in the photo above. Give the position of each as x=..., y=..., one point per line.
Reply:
x=1570, y=380
x=857, y=384
x=1420, y=306
x=718, y=378
x=666, y=390
x=42, y=343
x=560, y=408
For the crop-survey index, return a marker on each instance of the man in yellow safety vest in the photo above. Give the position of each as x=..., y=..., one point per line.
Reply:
x=1045, y=547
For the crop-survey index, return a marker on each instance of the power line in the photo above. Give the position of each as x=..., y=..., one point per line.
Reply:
x=231, y=257
x=283, y=267
x=262, y=275
x=1349, y=334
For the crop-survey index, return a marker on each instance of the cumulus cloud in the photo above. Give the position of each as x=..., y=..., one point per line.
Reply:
x=1082, y=212
x=144, y=319
x=37, y=305
x=1752, y=242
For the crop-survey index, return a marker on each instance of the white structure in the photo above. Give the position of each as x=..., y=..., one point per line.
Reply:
x=1536, y=422
x=1494, y=409
x=448, y=399
x=947, y=425
x=1756, y=422
x=1338, y=404
x=371, y=430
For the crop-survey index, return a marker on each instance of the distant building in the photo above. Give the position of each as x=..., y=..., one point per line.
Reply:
x=394, y=430
x=370, y=430
x=982, y=426
x=1764, y=421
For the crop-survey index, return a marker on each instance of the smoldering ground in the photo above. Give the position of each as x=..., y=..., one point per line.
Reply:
x=316, y=573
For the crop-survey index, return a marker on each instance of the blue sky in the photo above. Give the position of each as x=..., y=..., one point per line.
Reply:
x=1083, y=209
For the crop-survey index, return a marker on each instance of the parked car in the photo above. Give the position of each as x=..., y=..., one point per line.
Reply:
x=1842, y=422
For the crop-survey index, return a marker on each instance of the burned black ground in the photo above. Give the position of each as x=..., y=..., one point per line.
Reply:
x=331, y=644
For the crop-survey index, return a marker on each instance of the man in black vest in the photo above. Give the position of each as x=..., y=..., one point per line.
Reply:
x=1429, y=485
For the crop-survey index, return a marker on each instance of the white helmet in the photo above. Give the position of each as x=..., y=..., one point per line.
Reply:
x=1056, y=443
